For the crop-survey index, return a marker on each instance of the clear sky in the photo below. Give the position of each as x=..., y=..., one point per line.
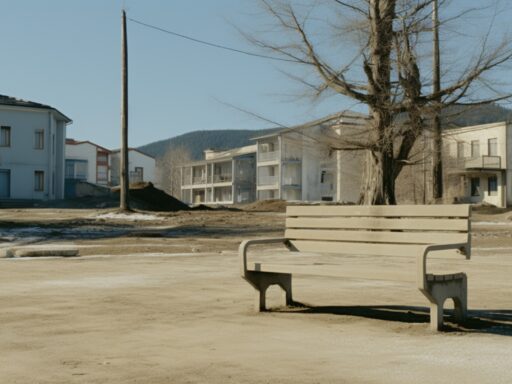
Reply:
x=66, y=53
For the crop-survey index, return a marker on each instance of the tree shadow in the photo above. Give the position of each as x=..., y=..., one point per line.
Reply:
x=490, y=321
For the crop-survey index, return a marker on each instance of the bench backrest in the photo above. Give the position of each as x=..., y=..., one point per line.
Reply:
x=378, y=229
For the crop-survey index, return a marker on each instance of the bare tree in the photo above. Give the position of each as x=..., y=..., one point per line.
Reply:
x=169, y=166
x=384, y=74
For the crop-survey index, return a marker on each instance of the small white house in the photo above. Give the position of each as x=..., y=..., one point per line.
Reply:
x=141, y=167
x=32, y=150
x=478, y=163
x=87, y=161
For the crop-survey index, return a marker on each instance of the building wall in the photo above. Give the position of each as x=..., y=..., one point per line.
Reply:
x=135, y=159
x=22, y=159
x=84, y=151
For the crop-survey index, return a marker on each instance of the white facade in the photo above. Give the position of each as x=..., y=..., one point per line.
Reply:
x=298, y=164
x=87, y=161
x=141, y=167
x=32, y=150
x=477, y=165
x=224, y=177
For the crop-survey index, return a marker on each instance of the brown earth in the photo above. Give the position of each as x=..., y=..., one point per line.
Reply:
x=161, y=301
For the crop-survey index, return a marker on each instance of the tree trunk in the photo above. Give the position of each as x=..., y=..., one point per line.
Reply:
x=378, y=186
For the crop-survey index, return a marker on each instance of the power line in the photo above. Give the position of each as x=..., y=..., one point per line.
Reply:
x=214, y=45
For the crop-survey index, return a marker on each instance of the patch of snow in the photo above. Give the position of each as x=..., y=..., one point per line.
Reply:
x=485, y=223
x=128, y=217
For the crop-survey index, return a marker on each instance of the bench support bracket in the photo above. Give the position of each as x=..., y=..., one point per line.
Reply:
x=437, y=291
x=262, y=280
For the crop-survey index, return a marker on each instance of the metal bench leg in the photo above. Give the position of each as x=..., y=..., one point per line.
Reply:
x=438, y=291
x=262, y=280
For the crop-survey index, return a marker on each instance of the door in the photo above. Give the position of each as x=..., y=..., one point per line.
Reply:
x=5, y=183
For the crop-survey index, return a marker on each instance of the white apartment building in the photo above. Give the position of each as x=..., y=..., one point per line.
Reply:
x=32, y=147
x=298, y=163
x=478, y=167
x=141, y=167
x=87, y=161
x=223, y=177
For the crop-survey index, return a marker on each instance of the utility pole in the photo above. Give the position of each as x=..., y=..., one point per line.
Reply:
x=437, y=170
x=124, y=187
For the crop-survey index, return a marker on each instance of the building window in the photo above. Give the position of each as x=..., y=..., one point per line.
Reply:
x=322, y=176
x=492, y=184
x=475, y=186
x=102, y=173
x=39, y=181
x=39, y=139
x=475, y=148
x=102, y=157
x=460, y=150
x=5, y=136
x=492, y=147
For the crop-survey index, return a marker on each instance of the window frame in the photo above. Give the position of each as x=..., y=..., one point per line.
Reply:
x=492, y=145
x=475, y=144
x=36, y=141
x=7, y=128
x=475, y=187
x=38, y=181
x=492, y=192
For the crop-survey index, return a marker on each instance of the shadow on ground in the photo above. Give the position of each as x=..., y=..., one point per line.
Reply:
x=498, y=322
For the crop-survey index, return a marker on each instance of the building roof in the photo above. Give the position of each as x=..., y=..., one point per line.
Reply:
x=212, y=155
x=133, y=149
x=75, y=142
x=12, y=101
x=339, y=118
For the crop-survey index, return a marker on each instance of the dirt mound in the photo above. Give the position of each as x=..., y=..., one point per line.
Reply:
x=266, y=206
x=146, y=197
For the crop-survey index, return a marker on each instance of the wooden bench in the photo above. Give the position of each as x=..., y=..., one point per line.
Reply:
x=408, y=231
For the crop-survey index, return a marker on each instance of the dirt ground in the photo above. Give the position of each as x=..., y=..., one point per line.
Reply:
x=157, y=298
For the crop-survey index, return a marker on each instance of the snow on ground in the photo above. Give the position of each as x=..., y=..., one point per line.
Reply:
x=129, y=217
x=491, y=223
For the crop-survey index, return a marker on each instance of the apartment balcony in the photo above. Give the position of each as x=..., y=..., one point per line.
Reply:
x=199, y=180
x=483, y=162
x=268, y=156
x=268, y=180
x=222, y=178
x=291, y=182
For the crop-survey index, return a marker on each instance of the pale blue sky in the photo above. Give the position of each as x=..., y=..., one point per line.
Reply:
x=66, y=53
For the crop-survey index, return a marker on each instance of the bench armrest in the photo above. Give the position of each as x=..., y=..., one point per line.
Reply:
x=422, y=260
x=244, y=246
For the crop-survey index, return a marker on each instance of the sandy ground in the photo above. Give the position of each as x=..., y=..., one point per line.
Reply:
x=161, y=301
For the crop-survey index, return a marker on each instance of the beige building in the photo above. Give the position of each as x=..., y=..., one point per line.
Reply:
x=477, y=166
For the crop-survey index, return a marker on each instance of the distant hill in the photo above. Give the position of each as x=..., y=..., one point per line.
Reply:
x=196, y=142
x=463, y=116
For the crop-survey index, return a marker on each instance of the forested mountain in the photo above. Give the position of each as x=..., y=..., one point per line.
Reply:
x=196, y=142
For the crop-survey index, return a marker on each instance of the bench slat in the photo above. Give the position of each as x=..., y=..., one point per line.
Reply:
x=379, y=223
x=376, y=237
x=462, y=210
x=335, y=270
x=375, y=249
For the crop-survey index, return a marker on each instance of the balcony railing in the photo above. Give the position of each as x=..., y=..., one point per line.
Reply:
x=268, y=156
x=222, y=178
x=492, y=162
x=267, y=180
x=199, y=180
x=291, y=181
